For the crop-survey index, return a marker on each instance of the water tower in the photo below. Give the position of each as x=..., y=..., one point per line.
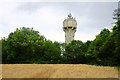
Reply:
x=69, y=27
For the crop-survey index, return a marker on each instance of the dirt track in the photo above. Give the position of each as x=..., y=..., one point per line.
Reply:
x=57, y=71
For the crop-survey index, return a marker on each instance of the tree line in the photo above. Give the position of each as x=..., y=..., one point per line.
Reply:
x=25, y=45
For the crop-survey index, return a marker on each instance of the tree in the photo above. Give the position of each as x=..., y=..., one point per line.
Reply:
x=20, y=45
x=94, y=48
x=74, y=52
x=116, y=15
x=106, y=52
x=52, y=53
x=117, y=36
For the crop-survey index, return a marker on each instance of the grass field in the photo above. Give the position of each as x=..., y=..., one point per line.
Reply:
x=57, y=71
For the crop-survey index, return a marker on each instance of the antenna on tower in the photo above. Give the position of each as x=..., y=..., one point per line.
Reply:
x=69, y=15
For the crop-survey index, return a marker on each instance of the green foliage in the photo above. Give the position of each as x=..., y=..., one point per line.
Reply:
x=93, y=51
x=26, y=45
x=51, y=52
x=75, y=52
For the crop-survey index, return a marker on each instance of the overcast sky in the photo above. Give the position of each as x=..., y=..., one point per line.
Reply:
x=48, y=17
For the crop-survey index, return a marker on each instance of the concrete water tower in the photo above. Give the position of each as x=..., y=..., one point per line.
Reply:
x=69, y=27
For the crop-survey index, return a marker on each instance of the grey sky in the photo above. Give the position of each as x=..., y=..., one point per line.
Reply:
x=47, y=18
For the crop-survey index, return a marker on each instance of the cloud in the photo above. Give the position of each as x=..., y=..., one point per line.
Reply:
x=59, y=0
x=47, y=18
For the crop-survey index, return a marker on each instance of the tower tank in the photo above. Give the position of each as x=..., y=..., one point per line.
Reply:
x=69, y=27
